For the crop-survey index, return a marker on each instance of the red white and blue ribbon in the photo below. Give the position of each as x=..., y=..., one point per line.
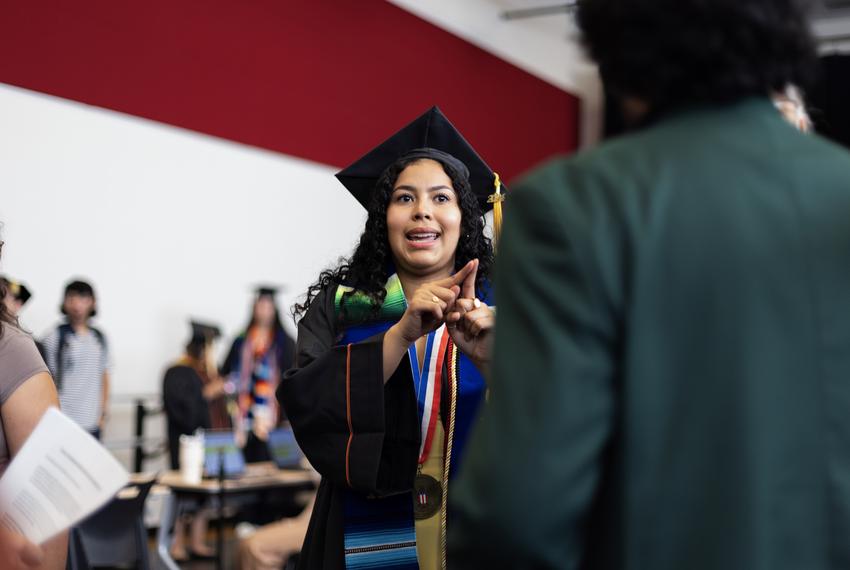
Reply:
x=427, y=383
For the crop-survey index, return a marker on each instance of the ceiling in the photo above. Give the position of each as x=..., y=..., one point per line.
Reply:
x=830, y=18
x=559, y=24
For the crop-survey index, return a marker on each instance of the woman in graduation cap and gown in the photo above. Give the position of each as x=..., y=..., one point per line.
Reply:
x=254, y=366
x=392, y=347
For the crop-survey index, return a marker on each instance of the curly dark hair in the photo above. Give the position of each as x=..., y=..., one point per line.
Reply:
x=369, y=268
x=672, y=53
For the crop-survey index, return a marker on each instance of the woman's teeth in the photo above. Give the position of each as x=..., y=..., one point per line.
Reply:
x=422, y=237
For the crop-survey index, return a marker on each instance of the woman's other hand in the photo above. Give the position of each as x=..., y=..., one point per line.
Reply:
x=470, y=323
x=426, y=308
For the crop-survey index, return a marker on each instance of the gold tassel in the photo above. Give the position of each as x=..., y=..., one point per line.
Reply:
x=496, y=198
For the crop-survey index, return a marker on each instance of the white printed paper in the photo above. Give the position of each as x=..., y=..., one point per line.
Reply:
x=60, y=476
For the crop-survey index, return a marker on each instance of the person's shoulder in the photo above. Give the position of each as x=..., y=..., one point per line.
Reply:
x=14, y=338
x=179, y=373
x=179, y=369
x=540, y=181
x=18, y=345
x=827, y=151
x=98, y=331
x=561, y=183
x=325, y=305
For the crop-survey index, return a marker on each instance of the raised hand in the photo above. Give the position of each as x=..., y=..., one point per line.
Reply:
x=470, y=323
x=426, y=308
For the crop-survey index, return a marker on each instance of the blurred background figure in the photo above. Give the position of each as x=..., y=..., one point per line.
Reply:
x=193, y=399
x=192, y=390
x=254, y=366
x=26, y=391
x=78, y=357
x=16, y=296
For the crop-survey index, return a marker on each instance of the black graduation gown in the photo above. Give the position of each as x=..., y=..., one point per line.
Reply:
x=185, y=407
x=378, y=455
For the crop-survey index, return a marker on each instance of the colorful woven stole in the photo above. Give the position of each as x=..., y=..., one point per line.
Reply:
x=380, y=533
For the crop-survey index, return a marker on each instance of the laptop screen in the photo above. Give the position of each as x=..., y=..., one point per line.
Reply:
x=218, y=444
x=284, y=449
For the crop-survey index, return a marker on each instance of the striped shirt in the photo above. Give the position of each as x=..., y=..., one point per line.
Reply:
x=84, y=361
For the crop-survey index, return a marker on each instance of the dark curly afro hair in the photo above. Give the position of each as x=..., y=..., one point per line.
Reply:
x=673, y=53
x=369, y=268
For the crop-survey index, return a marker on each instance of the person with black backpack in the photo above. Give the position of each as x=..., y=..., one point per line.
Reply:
x=78, y=357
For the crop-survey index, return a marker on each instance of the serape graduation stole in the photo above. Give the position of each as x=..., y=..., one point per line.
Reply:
x=380, y=533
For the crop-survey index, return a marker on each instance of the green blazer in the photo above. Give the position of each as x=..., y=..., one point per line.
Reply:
x=671, y=380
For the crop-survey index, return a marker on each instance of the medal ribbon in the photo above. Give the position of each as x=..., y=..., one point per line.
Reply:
x=427, y=384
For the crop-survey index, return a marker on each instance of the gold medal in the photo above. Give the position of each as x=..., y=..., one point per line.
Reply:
x=427, y=496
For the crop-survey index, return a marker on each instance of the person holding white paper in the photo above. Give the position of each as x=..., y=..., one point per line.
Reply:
x=26, y=392
x=17, y=553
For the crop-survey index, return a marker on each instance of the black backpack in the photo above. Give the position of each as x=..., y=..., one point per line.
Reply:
x=64, y=331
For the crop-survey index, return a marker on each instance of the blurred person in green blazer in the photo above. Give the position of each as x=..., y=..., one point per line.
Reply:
x=670, y=387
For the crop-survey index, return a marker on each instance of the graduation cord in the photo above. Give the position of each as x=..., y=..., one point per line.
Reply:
x=453, y=385
x=348, y=414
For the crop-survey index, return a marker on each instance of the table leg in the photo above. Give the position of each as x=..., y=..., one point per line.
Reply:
x=219, y=536
x=165, y=534
x=219, y=547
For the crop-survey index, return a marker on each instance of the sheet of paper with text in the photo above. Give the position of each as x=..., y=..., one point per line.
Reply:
x=60, y=476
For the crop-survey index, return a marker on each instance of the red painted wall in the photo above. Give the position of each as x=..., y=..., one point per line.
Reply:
x=319, y=79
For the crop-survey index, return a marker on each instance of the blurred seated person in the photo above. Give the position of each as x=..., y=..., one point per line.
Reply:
x=271, y=546
x=193, y=398
x=255, y=364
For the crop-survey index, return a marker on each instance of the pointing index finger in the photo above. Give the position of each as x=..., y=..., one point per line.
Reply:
x=468, y=291
x=458, y=277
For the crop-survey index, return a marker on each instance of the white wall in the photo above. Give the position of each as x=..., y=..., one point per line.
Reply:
x=166, y=223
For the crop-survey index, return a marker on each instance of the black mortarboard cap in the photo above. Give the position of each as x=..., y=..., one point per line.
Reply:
x=267, y=290
x=204, y=331
x=17, y=289
x=429, y=136
x=23, y=295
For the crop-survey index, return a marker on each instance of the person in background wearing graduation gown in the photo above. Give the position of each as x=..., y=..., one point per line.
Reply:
x=17, y=295
x=254, y=366
x=391, y=349
x=680, y=299
x=193, y=399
